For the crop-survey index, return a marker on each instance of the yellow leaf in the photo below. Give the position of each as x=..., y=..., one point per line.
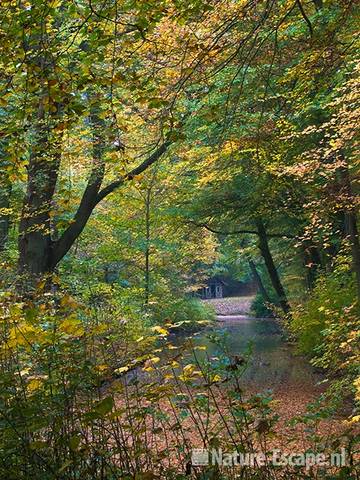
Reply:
x=34, y=384
x=122, y=369
x=155, y=359
x=24, y=335
x=68, y=301
x=188, y=369
x=101, y=368
x=148, y=369
x=160, y=330
x=72, y=326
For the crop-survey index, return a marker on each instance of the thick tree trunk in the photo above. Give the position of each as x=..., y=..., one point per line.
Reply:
x=34, y=241
x=47, y=253
x=35, y=245
x=39, y=253
x=259, y=282
x=89, y=199
x=270, y=265
x=5, y=193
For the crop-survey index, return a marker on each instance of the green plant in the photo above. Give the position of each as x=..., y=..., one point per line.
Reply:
x=72, y=409
x=328, y=305
x=260, y=308
x=189, y=311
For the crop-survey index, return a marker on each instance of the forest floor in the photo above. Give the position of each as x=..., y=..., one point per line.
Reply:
x=231, y=305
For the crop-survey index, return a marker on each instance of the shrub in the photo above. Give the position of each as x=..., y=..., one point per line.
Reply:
x=327, y=307
x=188, y=310
x=327, y=329
x=259, y=307
x=60, y=421
x=81, y=399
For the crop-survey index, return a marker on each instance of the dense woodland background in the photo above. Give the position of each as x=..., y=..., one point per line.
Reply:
x=146, y=146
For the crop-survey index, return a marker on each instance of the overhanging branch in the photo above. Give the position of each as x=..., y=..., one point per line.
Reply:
x=136, y=171
x=92, y=196
x=239, y=232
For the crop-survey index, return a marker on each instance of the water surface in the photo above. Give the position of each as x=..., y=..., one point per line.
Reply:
x=273, y=362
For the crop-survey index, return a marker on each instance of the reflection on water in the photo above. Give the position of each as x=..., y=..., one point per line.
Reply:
x=273, y=363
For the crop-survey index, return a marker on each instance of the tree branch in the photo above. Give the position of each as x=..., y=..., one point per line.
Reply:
x=136, y=171
x=239, y=232
x=92, y=196
x=305, y=17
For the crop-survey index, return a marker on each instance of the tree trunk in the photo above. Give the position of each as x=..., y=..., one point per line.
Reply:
x=35, y=245
x=269, y=262
x=5, y=192
x=39, y=253
x=259, y=282
x=351, y=228
x=89, y=199
x=312, y=263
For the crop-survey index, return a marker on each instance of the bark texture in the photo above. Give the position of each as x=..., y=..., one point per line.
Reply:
x=35, y=245
x=271, y=268
x=259, y=282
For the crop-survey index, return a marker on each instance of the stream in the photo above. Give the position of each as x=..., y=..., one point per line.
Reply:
x=273, y=362
x=274, y=366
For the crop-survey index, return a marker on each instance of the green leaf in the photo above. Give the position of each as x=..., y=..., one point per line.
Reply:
x=105, y=406
x=74, y=442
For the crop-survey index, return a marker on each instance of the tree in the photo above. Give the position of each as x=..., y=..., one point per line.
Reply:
x=250, y=154
x=69, y=43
